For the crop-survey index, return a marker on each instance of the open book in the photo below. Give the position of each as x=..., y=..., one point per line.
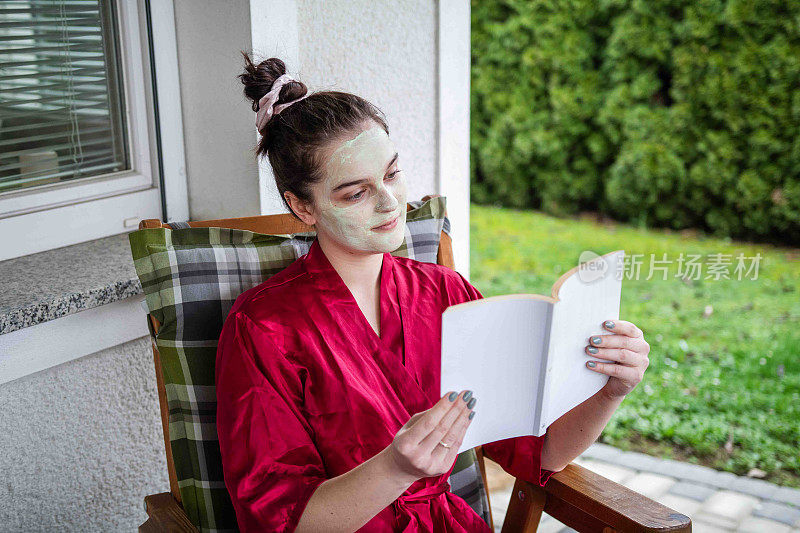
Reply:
x=523, y=355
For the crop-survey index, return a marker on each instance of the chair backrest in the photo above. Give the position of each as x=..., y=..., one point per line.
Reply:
x=191, y=274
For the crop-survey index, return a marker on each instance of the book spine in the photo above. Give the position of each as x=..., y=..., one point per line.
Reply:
x=544, y=377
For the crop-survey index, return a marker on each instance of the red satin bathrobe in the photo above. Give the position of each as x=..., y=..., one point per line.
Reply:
x=307, y=391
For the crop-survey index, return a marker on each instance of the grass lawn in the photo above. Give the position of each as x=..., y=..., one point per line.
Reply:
x=723, y=385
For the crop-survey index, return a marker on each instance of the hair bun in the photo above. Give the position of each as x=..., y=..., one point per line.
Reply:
x=258, y=81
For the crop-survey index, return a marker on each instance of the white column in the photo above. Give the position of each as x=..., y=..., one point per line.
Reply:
x=273, y=32
x=453, y=122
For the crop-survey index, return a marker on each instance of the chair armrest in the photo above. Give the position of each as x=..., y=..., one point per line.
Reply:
x=586, y=501
x=165, y=514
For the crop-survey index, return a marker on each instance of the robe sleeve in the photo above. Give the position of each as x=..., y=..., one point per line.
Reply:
x=270, y=464
x=519, y=456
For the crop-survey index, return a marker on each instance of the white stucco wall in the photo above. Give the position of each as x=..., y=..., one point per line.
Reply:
x=384, y=52
x=218, y=124
x=81, y=444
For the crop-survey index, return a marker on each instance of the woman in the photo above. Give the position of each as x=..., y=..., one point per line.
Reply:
x=329, y=416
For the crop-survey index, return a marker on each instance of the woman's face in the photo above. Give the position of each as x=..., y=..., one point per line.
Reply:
x=363, y=189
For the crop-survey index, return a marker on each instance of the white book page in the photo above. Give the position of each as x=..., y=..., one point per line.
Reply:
x=493, y=347
x=583, y=305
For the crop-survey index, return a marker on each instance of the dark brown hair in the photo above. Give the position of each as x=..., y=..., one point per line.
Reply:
x=293, y=139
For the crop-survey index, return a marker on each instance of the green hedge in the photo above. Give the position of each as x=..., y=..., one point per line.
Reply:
x=667, y=113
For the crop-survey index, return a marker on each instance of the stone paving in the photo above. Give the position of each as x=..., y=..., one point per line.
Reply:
x=717, y=502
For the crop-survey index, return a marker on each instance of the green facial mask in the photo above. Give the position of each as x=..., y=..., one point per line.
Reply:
x=378, y=201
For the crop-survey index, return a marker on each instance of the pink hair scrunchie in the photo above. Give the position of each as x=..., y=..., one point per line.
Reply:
x=266, y=104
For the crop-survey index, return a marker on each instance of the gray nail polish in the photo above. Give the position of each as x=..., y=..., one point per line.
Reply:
x=471, y=415
x=467, y=395
x=453, y=396
x=471, y=403
x=596, y=340
x=592, y=364
x=592, y=349
x=609, y=324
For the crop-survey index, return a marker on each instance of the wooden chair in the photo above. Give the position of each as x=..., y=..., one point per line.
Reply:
x=575, y=496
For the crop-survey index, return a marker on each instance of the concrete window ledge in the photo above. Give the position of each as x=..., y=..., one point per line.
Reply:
x=66, y=303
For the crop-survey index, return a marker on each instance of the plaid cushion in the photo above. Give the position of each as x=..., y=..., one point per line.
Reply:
x=191, y=278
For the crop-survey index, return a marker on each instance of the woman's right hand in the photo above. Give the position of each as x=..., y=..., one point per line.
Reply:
x=415, y=450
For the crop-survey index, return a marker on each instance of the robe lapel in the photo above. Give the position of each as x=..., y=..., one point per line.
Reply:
x=405, y=367
x=403, y=377
x=421, y=338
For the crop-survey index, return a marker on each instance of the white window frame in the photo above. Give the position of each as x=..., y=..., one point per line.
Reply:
x=61, y=214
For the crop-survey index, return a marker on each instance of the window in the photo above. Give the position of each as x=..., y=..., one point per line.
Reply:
x=61, y=112
x=79, y=158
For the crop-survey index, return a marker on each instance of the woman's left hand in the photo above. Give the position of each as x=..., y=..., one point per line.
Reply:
x=626, y=350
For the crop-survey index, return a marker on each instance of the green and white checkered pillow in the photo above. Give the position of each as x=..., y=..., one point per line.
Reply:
x=191, y=277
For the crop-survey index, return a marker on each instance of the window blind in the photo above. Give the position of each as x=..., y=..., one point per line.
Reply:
x=61, y=93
